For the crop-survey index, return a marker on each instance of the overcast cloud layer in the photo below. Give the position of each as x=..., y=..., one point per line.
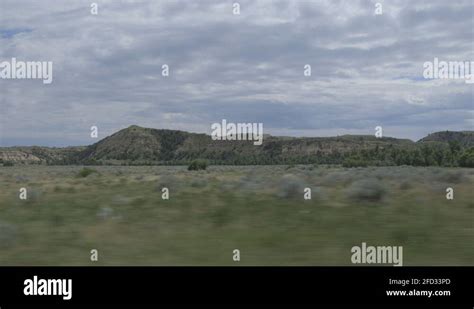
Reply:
x=366, y=69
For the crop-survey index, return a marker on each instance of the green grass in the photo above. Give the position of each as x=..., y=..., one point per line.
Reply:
x=119, y=211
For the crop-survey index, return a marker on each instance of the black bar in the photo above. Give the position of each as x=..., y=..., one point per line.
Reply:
x=237, y=285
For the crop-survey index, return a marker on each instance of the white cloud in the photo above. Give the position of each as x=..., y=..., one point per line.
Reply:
x=366, y=69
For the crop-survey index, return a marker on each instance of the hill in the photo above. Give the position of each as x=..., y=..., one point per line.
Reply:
x=145, y=146
x=137, y=145
x=464, y=138
x=38, y=154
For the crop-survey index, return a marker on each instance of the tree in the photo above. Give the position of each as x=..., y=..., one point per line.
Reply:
x=467, y=158
x=197, y=165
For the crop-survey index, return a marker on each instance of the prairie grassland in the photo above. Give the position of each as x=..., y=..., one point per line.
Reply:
x=259, y=210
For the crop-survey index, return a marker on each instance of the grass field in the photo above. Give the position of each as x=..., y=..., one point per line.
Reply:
x=259, y=210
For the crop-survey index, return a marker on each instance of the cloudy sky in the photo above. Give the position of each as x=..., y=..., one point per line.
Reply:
x=367, y=69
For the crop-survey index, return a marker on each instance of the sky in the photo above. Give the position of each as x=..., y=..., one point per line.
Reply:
x=366, y=68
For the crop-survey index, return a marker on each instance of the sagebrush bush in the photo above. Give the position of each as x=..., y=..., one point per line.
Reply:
x=86, y=172
x=290, y=186
x=197, y=165
x=168, y=181
x=451, y=176
x=198, y=183
x=105, y=213
x=290, y=166
x=7, y=235
x=405, y=185
x=370, y=190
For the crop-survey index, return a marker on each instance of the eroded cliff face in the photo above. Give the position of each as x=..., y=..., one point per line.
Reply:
x=18, y=156
x=38, y=155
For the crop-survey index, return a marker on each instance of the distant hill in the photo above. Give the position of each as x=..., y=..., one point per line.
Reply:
x=38, y=154
x=136, y=143
x=464, y=138
x=142, y=146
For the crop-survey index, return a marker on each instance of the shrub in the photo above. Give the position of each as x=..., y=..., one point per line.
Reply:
x=455, y=176
x=405, y=185
x=8, y=163
x=105, y=213
x=86, y=172
x=290, y=166
x=290, y=186
x=34, y=194
x=197, y=165
x=7, y=235
x=366, y=190
x=198, y=183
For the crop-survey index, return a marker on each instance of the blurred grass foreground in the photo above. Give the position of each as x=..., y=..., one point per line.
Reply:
x=259, y=210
